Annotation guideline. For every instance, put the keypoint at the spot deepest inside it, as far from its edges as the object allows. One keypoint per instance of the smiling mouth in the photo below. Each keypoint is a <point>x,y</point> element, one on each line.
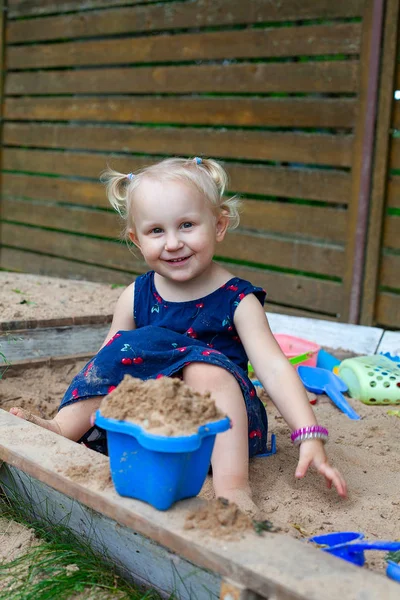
<point>178,260</point>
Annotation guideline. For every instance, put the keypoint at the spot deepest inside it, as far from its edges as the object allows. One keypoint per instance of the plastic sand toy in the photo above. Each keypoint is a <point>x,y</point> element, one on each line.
<point>322,381</point>
<point>349,546</point>
<point>293,347</point>
<point>372,379</point>
<point>158,469</point>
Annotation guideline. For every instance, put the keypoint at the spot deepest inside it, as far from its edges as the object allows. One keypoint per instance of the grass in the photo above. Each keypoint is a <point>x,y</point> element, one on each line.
<point>59,565</point>
<point>394,556</point>
<point>4,360</point>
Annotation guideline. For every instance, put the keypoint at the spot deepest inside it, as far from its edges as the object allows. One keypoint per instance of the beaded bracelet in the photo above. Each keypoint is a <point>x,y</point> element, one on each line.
<point>314,432</point>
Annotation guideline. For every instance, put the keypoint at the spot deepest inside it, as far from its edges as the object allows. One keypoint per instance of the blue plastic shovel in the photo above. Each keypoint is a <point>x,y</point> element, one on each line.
<point>393,570</point>
<point>350,546</point>
<point>322,381</point>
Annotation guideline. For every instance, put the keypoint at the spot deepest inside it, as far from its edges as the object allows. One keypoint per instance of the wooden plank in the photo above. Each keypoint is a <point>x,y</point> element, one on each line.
<point>390,342</point>
<point>391,232</point>
<point>357,222</point>
<point>29,262</point>
<point>326,185</point>
<point>176,15</point>
<point>396,115</point>
<point>271,565</point>
<point>283,252</point>
<point>315,77</point>
<point>137,557</point>
<point>355,338</point>
<point>304,222</point>
<point>390,269</point>
<point>55,190</point>
<point>187,110</point>
<point>380,168</point>
<point>13,326</point>
<point>388,309</point>
<point>283,309</point>
<point>231,590</point>
<point>317,149</point>
<point>304,292</point>
<point>72,218</point>
<point>2,76</point>
<point>59,341</point>
<point>23,8</point>
<point>393,185</point>
<point>69,246</point>
<point>331,185</point>
<point>311,40</point>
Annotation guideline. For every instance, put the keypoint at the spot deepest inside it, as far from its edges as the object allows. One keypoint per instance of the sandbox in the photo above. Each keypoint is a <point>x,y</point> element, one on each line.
<point>154,547</point>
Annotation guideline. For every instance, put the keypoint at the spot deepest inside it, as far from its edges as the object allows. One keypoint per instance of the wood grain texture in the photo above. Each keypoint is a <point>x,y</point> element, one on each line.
<point>389,270</point>
<point>23,8</point>
<point>176,15</point>
<point>257,78</point>
<point>362,152</point>
<point>308,148</point>
<point>388,309</point>
<point>187,110</point>
<point>311,40</point>
<point>17,260</point>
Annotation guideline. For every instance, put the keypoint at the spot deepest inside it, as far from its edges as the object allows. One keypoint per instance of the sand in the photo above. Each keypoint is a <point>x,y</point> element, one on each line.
<point>367,451</point>
<point>165,406</point>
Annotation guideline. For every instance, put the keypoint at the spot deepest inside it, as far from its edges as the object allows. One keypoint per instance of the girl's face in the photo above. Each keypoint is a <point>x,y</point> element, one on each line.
<point>175,229</point>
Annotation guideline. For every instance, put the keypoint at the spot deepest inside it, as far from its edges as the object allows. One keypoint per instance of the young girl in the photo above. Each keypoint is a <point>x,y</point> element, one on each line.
<point>190,317</point>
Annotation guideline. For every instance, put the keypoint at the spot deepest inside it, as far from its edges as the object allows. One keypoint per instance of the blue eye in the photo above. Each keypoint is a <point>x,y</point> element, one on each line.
<point>156,230</point>
<point>187,225</point>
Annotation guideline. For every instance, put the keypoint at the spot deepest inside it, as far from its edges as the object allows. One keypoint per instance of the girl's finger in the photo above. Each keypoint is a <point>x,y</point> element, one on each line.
<point>302,467</point>
<point>333,476</point>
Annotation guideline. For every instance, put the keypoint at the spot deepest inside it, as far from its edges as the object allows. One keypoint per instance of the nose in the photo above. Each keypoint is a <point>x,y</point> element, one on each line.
<point>173,242</point>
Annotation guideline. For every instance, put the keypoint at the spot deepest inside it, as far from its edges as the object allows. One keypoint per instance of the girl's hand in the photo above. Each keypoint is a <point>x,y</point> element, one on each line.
<point>312,453</point>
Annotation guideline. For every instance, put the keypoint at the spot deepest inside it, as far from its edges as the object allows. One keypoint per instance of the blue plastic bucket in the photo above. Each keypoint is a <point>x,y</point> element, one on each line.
<point>158,469</point>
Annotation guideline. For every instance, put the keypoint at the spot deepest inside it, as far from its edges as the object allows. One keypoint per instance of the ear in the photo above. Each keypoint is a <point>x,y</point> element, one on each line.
<point>221,226</point>
<point>133,237</point>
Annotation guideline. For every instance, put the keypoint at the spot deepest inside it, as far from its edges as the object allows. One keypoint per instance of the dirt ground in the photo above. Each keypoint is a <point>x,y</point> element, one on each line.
<point>367,451</point>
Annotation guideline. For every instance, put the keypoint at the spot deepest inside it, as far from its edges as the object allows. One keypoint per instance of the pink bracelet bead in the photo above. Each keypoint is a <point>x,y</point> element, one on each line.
<point>313,432</point>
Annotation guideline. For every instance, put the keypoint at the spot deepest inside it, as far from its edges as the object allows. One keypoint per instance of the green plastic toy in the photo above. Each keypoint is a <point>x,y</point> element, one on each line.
<point>372,379</point>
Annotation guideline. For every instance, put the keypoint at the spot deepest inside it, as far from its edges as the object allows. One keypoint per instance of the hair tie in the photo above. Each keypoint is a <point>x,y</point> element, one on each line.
<point>197,160</point>
<point>130,176</point>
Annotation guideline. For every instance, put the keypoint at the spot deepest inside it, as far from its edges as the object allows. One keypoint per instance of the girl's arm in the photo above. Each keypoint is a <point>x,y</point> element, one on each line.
<point>282,384</point>
<point>123,314</point>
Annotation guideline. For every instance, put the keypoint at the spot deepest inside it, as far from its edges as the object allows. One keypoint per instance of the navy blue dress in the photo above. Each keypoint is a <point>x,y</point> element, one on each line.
<point>169,336</point>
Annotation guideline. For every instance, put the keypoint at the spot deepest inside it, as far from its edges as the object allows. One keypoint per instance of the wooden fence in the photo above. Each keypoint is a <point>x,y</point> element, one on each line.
<point>281,92</point>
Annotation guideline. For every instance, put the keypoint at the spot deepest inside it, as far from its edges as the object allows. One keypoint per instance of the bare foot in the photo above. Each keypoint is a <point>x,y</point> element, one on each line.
<point>242,498</point>
<point>24,414</point>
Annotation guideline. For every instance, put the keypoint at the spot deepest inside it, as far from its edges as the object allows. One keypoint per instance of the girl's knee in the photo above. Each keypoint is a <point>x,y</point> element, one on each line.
<point>207,375</point>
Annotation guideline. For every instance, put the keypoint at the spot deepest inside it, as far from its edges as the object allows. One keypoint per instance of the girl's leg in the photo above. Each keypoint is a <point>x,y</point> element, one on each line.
<point>72,421</point>
<point>230,458</point>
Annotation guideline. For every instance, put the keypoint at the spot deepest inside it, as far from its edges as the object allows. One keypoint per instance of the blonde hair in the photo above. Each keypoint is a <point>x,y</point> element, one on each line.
<point>206,175</point>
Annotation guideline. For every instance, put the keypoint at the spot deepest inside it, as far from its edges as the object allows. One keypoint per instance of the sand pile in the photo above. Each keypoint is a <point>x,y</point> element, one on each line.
<point>164,406</point>
<point>219,518</point>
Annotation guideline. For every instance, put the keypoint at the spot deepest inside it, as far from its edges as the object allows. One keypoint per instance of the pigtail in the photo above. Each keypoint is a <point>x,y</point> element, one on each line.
<point>217,174</point>
<point>117,190</point>
<point>220,178</point>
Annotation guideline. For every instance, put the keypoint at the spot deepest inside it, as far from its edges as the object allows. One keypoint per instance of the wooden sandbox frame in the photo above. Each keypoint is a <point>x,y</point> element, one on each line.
<point>152,547</point>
